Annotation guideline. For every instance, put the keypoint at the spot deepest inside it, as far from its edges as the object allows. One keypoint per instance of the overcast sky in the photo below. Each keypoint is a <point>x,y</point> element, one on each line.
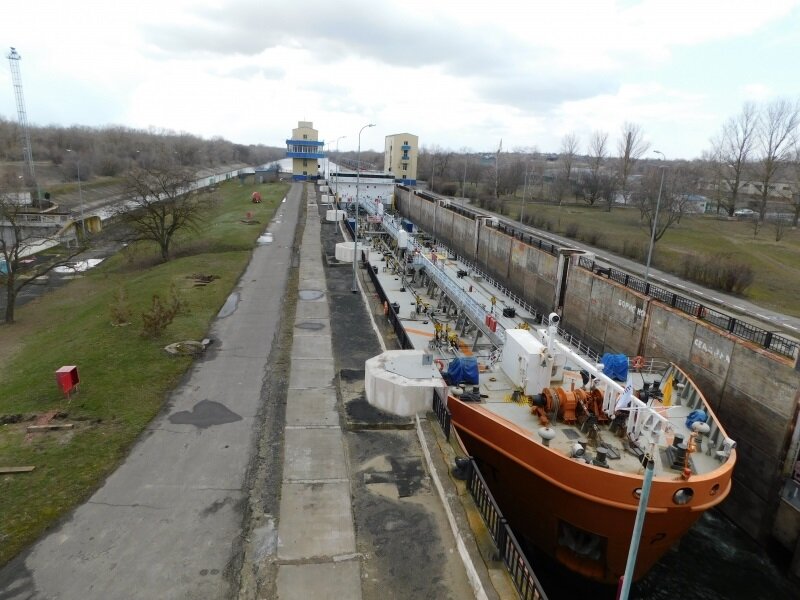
<point>457,73</point>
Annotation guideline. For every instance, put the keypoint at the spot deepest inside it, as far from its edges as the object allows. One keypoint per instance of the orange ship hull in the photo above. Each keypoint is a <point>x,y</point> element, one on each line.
<point>580,514</point>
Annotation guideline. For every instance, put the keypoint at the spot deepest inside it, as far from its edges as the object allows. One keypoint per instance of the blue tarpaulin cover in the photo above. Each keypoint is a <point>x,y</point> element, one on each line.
<point>695,416</point>
<point>462,370</point>
<point>615,366</point>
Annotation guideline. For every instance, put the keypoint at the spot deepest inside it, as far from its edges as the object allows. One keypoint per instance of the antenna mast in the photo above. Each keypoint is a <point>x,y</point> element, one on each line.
<point>22,117</point>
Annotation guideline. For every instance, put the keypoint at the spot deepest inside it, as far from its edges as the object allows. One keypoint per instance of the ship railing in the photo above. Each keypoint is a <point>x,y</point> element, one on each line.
<point>475,312</point>
<point>394,318</point>
<point>478,271</point>
<point>442,413</point>
<point>507,545</point>
<point>575,343</point>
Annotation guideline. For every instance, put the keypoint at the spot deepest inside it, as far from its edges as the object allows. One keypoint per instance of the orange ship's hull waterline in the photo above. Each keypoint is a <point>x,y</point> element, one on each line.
<point>541,492</point>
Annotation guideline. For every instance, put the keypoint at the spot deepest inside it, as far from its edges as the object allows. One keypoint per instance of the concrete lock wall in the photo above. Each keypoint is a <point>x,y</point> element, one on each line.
<point>604,314</point>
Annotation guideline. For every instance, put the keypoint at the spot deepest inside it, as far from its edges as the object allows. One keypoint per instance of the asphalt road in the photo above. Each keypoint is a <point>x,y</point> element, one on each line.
<point>168,522</point>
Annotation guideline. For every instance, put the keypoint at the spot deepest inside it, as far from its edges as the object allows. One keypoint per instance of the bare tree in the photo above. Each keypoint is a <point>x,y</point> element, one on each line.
<point>666,211</point>
<point>795,170</point>
<point>713,183</point>
<point>569,153</point>
<point>594,183</point>
<point>734,147</point>
<point>22,235</point>
<point>163,202</point>
<point>777,125</point>
<point>631,147</point>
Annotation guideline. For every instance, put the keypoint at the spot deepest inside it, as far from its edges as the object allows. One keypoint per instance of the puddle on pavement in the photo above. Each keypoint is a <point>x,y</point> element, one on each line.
<point>310,326</point>
<point>265,238</point>
<point>205,414</point>
<point>310,294</point>
<point>229,306</point>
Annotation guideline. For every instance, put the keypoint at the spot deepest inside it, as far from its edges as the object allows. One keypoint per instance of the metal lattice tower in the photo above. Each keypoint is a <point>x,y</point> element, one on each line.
<point>22,117</point>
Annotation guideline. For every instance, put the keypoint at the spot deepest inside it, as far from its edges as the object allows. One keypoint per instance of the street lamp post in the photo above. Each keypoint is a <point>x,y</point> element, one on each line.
<point>358,185</point>
<point>524,193</point>
<point>464,184</point>
<point>336,187</point>
<point>80,192</point>
<point>655,219</point>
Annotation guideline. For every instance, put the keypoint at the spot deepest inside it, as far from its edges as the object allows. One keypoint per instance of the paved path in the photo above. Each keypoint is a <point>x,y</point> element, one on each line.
<point>316,550</point>
<point>167,523</point>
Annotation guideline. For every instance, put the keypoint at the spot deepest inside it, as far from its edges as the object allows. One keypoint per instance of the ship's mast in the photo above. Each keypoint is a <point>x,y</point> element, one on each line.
<point>22,117</point>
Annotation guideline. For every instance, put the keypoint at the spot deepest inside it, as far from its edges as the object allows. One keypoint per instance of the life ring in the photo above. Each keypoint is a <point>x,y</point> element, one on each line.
<point>439,364</point>
<point>638,362</point>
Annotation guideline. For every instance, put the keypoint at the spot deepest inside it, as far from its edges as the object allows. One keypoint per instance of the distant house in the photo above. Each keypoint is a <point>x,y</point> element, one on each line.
<point>695,203</point>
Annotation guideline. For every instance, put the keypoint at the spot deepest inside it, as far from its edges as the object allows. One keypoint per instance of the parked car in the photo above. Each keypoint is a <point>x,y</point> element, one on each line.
<point>744,212</point>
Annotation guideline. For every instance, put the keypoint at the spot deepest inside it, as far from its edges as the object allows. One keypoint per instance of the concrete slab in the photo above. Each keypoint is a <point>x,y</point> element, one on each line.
<point>311,373</point>
<point>316,520</point>
<point>312,310</point>
<point>312,327</point>
<point>312,407</point>
<point>321,581</point>
<point>312,346</point>
<point>314,454</point>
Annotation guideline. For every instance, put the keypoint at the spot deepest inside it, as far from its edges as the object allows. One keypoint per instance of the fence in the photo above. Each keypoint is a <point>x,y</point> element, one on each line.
<point>741,329</point>
<point>508,547</point>
<point>442,413</point>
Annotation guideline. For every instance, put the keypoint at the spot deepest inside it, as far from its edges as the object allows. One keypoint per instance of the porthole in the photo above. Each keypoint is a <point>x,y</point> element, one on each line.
<point>637,493</point>
<point>683,496</point>
<point>714,489</point>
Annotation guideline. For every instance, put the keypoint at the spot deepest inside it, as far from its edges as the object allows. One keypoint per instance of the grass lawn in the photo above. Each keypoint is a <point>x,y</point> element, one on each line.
<point>125,378</point>
<point>776,264</point>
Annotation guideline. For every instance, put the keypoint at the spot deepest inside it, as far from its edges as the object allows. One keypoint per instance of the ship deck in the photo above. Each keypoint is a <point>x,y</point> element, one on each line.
<point>495,387</point>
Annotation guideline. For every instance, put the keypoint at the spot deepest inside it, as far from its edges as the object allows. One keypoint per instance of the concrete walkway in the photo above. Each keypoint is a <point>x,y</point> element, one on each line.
<point>316,540</point>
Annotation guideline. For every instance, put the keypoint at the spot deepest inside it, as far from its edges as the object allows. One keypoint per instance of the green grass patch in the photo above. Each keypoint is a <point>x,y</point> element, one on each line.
<point>776,264</point>
<point>125,378</point>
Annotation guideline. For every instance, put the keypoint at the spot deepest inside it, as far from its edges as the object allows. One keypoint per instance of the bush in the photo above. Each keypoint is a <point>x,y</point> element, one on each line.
<point>161,314</point>
<point>633,249</point>
<point>594,238</point>
<point>449,189</point>
<point>120,310</point>
<point>572,230</point>
<point>719,271</point>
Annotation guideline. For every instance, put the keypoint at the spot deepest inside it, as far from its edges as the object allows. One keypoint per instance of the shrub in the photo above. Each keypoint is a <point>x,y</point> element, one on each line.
<point>161,314</point>
<point>633,249</point>
<point>120,310</point>
<point>719,271</point>
<point>595,238</point>
<point>572,230</point>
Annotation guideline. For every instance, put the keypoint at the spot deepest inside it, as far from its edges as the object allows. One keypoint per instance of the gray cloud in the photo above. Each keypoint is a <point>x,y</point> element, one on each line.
<point>501,66</point>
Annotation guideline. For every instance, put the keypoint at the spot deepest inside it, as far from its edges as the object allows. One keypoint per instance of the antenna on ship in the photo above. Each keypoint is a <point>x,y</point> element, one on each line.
<point>22,116</point>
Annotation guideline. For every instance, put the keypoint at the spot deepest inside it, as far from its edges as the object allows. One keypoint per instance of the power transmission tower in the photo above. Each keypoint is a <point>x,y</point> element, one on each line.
<point>22,117</point>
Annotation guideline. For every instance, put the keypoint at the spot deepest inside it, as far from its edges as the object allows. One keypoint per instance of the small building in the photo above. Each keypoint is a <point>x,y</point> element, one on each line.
<point>400,157</point>
<point>305,150</point>
<point>370,186</point>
